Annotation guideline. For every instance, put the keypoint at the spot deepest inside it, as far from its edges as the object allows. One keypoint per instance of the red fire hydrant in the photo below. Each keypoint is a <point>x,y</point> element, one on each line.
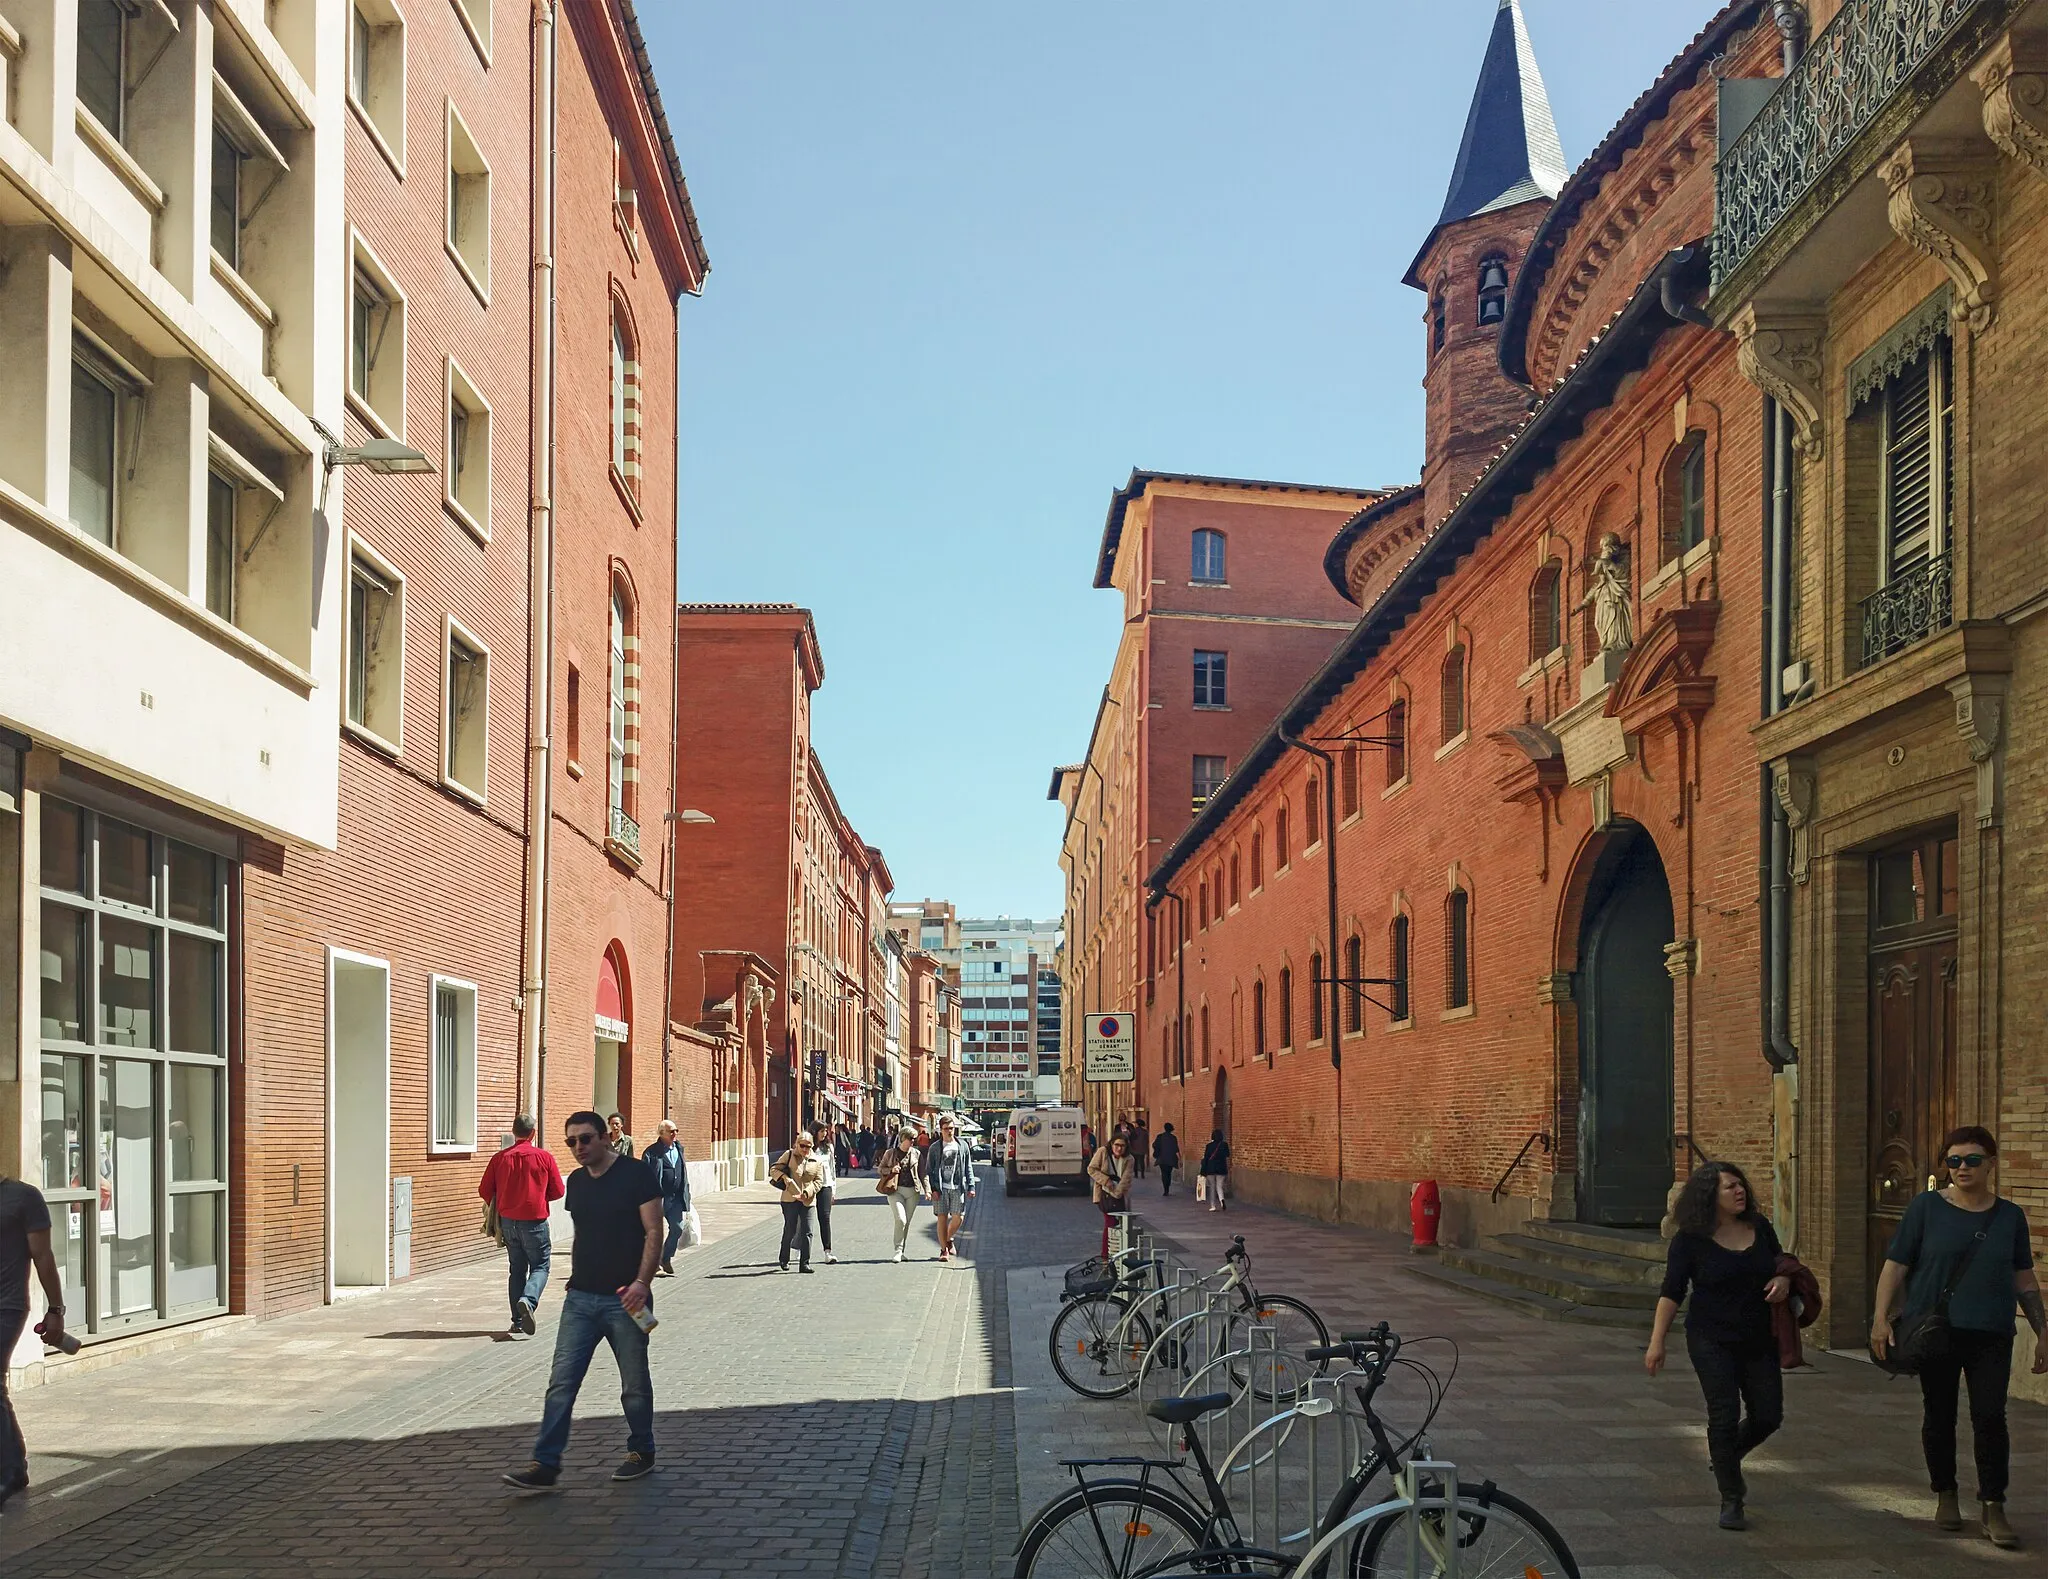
<point>1425,1207</point>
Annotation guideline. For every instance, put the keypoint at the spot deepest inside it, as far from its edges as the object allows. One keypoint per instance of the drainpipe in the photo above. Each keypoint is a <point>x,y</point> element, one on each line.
<point>1778,1048</point>
<point>540,666</point>
<point>1329,762</point>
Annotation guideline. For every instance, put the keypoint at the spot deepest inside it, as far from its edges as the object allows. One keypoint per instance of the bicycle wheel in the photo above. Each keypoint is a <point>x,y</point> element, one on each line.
<point>1097,1345</point>
<point>1110,1529</point>
<point>1296,1330</point>
<point>1499,1537</point>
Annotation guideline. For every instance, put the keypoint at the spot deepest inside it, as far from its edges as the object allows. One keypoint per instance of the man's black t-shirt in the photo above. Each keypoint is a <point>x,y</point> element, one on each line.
<point>22,1212</point>
<point>609,1238</point>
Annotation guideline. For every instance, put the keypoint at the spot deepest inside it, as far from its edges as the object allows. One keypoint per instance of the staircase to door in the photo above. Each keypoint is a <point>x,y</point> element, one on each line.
<point>1581,1272</point>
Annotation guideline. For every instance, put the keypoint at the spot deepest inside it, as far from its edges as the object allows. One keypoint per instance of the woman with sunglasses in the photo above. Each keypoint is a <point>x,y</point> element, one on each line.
<point>1927,1255</point>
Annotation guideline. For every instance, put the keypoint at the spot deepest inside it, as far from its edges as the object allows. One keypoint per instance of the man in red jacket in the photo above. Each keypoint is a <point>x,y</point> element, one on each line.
<point>520,1182</point>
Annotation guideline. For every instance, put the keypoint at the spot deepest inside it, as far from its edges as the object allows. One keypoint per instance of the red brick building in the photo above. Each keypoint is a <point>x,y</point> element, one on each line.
<point>1224,615</point>
<point>1531,757</point>
<point>394,991</point>
<point>779,902</point>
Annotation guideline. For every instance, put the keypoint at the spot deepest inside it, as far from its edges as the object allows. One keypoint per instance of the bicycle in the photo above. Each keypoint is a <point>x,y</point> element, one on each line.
<point>1157,1525</point>
<point>1102,1340</point>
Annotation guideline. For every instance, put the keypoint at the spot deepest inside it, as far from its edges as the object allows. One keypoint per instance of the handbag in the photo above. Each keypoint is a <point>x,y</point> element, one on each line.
<point>693,1228</point>
<point>1919,1341</point>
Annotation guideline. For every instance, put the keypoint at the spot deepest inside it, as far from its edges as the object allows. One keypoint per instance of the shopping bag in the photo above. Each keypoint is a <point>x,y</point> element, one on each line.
<point>1201,1186</point>
<point>693,1228</point>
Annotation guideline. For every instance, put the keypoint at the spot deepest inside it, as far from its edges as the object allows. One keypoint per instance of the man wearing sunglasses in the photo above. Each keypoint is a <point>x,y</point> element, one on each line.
<point>616,1207</point>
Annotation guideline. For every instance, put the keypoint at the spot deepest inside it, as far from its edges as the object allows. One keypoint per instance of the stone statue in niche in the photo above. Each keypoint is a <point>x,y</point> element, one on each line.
<point>1607,595</point>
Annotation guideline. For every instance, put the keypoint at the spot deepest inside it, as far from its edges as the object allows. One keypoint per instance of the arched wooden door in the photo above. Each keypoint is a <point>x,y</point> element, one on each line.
<point>1624,994</point>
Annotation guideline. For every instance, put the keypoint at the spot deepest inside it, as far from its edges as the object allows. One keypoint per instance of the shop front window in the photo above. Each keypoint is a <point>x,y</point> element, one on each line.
<point>133,1018</point>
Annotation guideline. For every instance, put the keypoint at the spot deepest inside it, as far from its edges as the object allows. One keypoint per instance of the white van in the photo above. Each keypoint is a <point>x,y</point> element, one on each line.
<point>1043,1146</point>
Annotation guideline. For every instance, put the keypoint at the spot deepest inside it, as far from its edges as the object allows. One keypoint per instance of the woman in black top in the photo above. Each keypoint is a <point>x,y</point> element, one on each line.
<point>1727,1255</point>
<point>1215,1169</point>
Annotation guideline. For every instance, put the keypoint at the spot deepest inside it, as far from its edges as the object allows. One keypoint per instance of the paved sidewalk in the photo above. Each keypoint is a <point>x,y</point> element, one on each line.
<point>1565,1416</point>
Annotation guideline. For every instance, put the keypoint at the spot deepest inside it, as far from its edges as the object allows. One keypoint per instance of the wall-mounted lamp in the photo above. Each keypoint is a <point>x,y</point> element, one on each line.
<point>385,457</point>
<point>692,817</point>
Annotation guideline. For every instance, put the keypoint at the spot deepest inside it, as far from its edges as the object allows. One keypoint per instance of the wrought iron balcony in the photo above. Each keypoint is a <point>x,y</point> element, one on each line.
<point>1858,65</point>
<point>625,833</point>
<point>1914,605</point>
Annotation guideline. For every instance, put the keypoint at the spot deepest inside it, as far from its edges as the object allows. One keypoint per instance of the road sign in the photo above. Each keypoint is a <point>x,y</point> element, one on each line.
<point>1110,1052</point>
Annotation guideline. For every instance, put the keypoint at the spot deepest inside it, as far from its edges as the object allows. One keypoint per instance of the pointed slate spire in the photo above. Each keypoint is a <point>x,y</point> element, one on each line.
<point>1511,151</point>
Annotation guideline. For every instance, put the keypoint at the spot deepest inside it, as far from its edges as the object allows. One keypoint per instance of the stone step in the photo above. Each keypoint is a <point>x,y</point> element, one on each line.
<point>1643,1244</point>
<point>1593,1265</point>
<point>1544,1307</point>
<point>1539,1278</point>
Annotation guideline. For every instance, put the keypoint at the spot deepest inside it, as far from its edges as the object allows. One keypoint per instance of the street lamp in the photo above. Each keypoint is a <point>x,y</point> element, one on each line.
<point>691,817</point>
<point>384,457</point>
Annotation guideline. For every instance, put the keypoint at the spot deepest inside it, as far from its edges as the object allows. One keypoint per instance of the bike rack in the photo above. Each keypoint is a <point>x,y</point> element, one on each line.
<point>1284,1472</point>
<point>1415,1532</point>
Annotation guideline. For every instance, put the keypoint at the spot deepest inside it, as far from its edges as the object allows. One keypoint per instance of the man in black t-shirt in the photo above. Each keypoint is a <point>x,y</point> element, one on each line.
<point>24,1240</point>
<point>616,1207</point>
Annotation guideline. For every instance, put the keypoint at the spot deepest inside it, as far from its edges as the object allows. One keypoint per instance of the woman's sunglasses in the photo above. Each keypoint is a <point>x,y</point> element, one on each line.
<point>1974,1159</point>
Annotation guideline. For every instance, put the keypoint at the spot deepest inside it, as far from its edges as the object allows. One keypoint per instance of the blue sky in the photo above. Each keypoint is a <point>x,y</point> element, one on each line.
<point>972,262</point>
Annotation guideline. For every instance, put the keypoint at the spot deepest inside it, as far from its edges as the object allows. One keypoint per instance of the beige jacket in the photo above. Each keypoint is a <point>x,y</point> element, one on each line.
<point>1108,1179</point>
<point>904,1164</point>
<point>806,1178</point>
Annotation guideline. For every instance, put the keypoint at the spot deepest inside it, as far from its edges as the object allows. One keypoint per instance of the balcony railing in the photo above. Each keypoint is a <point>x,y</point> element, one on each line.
<point>1858,64</point>
<point>1915,604</point>
<point>625,832</point>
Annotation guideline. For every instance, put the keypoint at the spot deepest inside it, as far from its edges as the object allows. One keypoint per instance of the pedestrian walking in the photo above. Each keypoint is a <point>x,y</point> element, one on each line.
<point>830,1151</point>
<point>1110,1173</point>
<point>24,1242</point>
<point>949,1175</point>
<point>1962,1252</point>
<point>519,1182</point>
<point>1141,1145</point>
<point>616,1208</point>
<point>799,1175</point>
<point>1166,1152</point>
<point>899,1178</point>
<point>1215,1171</point>
<point>616,1136</point>
<point>671,1170</point>
<point>1726,1254</point>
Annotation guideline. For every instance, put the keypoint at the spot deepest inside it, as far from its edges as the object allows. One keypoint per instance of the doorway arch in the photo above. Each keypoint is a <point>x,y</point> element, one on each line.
<point>1624,996</point>
<point>1219,1112</point>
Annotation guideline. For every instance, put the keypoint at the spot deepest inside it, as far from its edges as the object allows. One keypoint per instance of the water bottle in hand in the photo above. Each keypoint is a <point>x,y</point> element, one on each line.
<point>644,1317</point>
<point>64,1342</point>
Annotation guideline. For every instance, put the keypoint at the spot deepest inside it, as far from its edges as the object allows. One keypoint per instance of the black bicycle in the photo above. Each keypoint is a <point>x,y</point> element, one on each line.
<point>1116,1323</point>
<point>1174,1521</point>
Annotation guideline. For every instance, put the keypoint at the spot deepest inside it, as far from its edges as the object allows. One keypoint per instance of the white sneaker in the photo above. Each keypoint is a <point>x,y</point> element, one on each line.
<point>829,1256</point>
<point>898,1256</point>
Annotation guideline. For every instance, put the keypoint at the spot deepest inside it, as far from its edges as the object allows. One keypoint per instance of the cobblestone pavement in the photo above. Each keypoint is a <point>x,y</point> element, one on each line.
<point>879,1420</point>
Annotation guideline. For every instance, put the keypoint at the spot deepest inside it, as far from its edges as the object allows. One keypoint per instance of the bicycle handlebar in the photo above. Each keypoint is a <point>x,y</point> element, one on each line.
<point>1373,1349</point>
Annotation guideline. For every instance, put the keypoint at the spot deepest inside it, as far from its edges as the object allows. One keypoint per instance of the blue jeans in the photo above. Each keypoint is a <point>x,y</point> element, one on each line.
<point>674,1209</point>
<point>586,1320</point>
<point>529,1251</point>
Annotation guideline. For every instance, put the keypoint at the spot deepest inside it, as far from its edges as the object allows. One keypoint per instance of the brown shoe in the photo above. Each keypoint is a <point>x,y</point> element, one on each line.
<point>1948,1512</point>
<point>1996,1529</point>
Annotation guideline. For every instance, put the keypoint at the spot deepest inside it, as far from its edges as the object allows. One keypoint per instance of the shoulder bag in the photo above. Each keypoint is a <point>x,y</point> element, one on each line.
<point>1921,1340</point>
<point>885,1176</point>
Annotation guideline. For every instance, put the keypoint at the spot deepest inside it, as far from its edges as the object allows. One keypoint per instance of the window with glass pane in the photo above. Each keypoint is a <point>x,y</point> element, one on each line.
<point>369,315</point>
<point>63,846</point>
<point>63,1124</point>
<point>1458,949</point>
<point>102,61</point>
<point>1396,729</point>
<point>1919,419</point>
<point>1206,557</point>
<point>616,775</point>
<point>1212,679</point>
<point>1397,967</point>
<point>1354,972</point>
<point>127,868</point>
<point>221,495</point>
<point>94,420</point>
<point>359,55</point>
<point>65,951</point>
<point>1208,778</point>
<point>195,1249</point>
<point>195,885</point>
<point>446,1051</point>
<point>197,1149</point>
<point>128,1209</point>
<point>224,209</point>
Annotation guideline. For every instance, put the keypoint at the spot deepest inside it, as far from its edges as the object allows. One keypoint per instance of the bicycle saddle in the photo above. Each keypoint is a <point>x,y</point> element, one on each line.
<point>1183,1411</point>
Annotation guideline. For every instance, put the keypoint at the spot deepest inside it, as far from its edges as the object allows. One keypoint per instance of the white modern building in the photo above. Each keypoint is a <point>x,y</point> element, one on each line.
<point>174,312</point>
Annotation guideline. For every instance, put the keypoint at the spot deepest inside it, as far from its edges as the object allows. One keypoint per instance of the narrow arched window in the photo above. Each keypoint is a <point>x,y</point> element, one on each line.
<point>1205,1036</point>
<point>1236,894</point>
<point>1205,903</point>
<point>1317,984</point>
<point>1453,695</point>
<point>1312,811</point>
<point>1684,514</point>
<point>1258,860</point>
<point>1347,783</point>
<point>1458,949</point>
<point>625,413</point>
<point>1546,611</point>
<point>1258,1019</point>
<point>622,729</point>
<point>1397,743</point>
<point>1280,850</point>
<point>1286,1007</point>
<point>1354,971</point>
<point>1493,290</point>
<point>1397,967</point>
<point>1206,557</point>
<point>1439,319</point>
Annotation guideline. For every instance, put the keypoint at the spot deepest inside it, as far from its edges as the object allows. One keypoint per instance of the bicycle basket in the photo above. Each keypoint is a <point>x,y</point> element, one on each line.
<point>1093,1276</point>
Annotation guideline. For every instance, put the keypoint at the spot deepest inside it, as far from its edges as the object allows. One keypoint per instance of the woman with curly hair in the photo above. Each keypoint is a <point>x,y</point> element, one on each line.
<point>1726,1254</point>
